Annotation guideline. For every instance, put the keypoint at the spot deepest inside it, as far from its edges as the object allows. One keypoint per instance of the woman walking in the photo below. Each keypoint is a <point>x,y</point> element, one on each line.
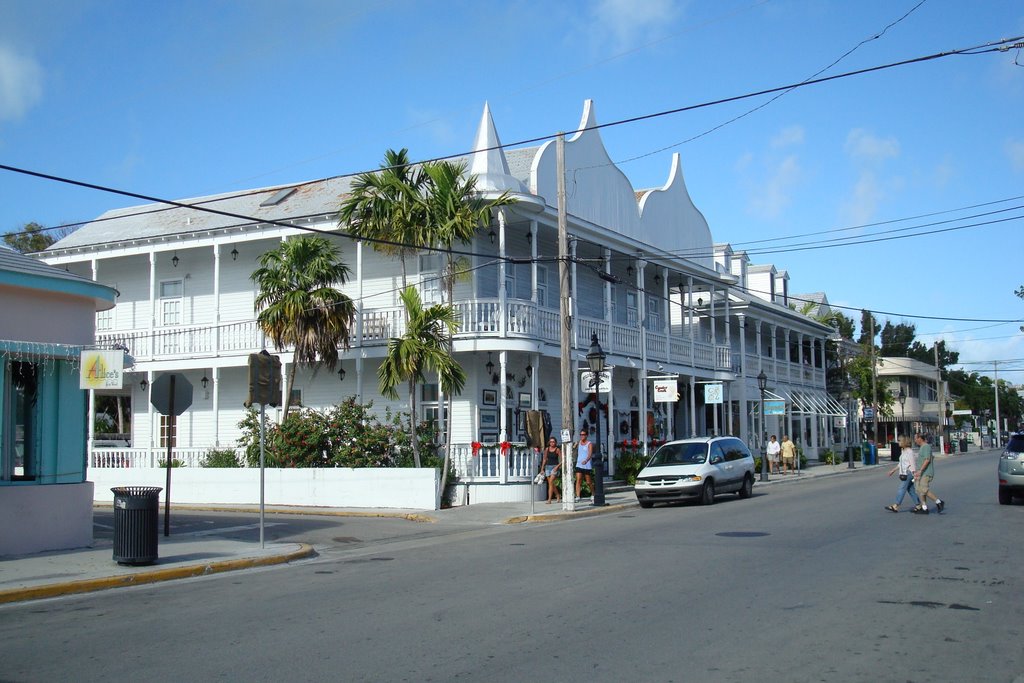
<point>552,463</point>
<point>906,467</point>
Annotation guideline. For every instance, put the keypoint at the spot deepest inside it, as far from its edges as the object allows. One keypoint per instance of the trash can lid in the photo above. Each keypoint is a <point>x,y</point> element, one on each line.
<point>136,490</point>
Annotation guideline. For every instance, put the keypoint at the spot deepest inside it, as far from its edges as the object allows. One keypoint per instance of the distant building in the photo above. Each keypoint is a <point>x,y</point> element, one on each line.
<point>49,317</point>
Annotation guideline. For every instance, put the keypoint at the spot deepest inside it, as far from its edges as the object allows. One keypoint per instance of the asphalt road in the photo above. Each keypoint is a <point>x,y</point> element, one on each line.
<point>811,581</point>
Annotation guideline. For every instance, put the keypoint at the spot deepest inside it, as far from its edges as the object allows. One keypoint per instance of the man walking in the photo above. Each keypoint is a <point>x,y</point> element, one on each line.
<point>925,475</point>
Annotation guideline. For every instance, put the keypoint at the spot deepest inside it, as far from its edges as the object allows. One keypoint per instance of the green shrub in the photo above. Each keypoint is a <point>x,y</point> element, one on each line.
<point>220,457</point>
<point>174,463</point>
<point>346,435</point>
<point>628,466</point>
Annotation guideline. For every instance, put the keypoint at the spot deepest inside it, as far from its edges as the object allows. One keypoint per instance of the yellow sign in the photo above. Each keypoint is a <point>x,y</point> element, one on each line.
<point>101,370</point>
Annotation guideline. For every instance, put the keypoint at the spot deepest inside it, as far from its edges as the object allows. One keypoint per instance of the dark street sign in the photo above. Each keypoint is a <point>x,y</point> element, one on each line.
<point>171,386</point>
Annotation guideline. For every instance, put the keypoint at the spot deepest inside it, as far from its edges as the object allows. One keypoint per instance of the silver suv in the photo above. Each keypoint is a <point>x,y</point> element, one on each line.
<point>696,468</point>
<point>1011,470</point>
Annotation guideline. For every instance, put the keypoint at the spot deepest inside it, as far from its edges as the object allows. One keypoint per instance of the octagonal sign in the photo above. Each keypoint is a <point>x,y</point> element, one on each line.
<point>164,387</point>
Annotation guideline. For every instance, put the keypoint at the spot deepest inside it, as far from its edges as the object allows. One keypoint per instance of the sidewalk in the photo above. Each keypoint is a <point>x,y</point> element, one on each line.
<point>52,574</point>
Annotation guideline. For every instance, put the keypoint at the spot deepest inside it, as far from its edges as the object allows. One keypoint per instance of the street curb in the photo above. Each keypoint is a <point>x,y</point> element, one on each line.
<point>311,511</point>
<point>170,573</point>
<point>557,516</point>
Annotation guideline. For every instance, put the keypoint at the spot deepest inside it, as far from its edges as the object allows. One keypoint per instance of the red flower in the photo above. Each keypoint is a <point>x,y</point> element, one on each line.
<point>635,443</point>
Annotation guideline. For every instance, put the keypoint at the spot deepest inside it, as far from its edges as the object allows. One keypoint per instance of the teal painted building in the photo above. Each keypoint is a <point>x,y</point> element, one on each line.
<point>47,316</point>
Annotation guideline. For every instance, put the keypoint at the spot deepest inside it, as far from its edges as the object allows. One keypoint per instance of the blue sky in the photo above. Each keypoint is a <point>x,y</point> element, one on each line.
<point>180,99</point>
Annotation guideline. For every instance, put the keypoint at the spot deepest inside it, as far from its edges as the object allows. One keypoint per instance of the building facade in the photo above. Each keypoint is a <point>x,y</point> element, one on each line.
<point>47,322</point>
<point>664,300</point>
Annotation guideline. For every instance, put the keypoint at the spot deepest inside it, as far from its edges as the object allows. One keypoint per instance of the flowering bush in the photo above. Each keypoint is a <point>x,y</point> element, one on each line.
<point>346,435</point>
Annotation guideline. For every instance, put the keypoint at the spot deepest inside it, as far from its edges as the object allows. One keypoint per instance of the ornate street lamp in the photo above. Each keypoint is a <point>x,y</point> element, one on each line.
<point>902,398</point>
<point>762,385</point>
<point>596,358</point>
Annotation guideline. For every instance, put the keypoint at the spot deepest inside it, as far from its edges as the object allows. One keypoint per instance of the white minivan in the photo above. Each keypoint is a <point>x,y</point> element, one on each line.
<point>697,468</point>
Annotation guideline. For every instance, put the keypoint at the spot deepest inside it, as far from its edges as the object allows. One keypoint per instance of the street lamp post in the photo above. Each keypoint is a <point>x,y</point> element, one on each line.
<point>595,358</point>
<point>902,398</point>
<point>762,385</point>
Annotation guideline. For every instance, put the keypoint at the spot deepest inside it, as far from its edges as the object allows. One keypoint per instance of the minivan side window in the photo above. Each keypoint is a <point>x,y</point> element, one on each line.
<point>717,453</point>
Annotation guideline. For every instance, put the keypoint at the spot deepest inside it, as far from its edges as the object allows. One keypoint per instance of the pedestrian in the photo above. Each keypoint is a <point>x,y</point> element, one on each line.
<point>584,463</point>
<point>906,467</point>
<point>550,465</point>
<point>788,454</point>
<point>773,455</point>
<point>925,475</point>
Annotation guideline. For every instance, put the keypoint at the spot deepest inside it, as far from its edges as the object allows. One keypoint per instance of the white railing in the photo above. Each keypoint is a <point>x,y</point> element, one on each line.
<point>145,457</point>
<point>488,463</point>
<point>477,317</point>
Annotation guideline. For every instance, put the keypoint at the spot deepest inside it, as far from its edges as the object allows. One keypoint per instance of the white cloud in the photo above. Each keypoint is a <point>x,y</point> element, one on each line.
<point>791,135</point>
<point>860,208</point>
<point>772,196</point>
<point>1015,151</point>
<point>21,84</point>
<point>864,145</point>
<point>629,22</point>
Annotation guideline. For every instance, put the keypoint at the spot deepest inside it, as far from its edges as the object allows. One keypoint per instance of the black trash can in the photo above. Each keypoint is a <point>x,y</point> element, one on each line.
<point>136,509</point>
<point>894,451</point>
<point>963,445</point>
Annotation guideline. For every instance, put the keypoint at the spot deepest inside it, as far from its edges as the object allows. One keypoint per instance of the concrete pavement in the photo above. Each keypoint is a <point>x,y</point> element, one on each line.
<point>84,570</point>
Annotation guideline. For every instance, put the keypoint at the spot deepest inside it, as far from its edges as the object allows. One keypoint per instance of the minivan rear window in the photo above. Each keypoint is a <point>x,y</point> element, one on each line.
<point>680,454</point>
<point>1016,444</point>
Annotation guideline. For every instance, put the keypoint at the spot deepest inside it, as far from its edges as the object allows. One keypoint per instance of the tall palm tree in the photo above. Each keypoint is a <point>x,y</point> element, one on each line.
<point>386,208</point>
<point>298,305</point>
<point>454,211</point>
<point>422,349</point>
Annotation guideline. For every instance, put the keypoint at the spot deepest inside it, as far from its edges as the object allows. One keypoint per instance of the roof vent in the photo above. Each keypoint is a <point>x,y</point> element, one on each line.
<point>278,197</point>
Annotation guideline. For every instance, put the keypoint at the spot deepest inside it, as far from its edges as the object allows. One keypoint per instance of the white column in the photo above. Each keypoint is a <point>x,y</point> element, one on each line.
<point>502,302</point>
<point>216,300</point>
<point>741,329</point>
<point>216,406</point>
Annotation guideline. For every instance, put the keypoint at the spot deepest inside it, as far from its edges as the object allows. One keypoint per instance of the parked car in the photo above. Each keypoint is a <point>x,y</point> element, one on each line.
<point>698,468</point>
<point>1011,469</point>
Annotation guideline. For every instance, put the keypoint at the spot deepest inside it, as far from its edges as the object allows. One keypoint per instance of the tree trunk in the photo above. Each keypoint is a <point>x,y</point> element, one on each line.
<point>290,380</point>
<point>412,424</point>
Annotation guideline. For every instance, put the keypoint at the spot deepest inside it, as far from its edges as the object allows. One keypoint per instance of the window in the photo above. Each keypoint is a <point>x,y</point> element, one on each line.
<point>542,286</point>
<point>105,320</point>
<point>632,311</point>
<point>20,421</point>
<point>166,432</point>
<point>170,302</point>
<point>653,312</point>
<point>430,279</point>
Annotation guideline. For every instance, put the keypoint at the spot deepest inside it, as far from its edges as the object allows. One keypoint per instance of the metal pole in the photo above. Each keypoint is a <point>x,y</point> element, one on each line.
<point>171,428</point>
<point>999,428</point>
<point>599,459</point>
<point>263,420</point>
<point>764,442</point>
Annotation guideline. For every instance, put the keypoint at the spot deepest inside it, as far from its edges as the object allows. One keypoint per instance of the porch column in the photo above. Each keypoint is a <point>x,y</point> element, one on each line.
<point>502,298</point>
<point>216,407</point>
<point>642,317</point>
<point>216,299</point>
<point>689,315</point>
<point>533,268</point>
<point>741,328</point>
<point>693,405</point>
<point>502,400</point>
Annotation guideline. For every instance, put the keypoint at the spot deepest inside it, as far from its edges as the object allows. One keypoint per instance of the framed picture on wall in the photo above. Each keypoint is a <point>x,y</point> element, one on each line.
<point>488,437</point>
<point>488,419</point>
<point>524,400</point>
<point>490,397</point>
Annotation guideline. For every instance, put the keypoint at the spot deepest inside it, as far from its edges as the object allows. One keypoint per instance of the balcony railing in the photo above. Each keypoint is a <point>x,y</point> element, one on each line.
<point>477,318</point>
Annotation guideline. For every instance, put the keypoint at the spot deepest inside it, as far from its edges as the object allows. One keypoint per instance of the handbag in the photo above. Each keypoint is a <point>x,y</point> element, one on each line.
<point>903,477</point>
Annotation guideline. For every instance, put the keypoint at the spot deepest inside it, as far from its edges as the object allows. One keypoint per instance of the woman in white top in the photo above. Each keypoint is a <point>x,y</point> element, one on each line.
<point>906,467</point>
<point>774,448</point>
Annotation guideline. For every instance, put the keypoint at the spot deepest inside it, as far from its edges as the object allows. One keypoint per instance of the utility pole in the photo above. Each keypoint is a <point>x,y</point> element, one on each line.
<point>999,429</point>
<point>942,397</point>
<point>565,330</point>
<point>874,378</point>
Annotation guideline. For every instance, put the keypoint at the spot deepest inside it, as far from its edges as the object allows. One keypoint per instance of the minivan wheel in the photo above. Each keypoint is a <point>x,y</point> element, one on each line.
<point>646,504</point>
<point>707,494</point>
<point>748,487</point>
<point>1005,497</point>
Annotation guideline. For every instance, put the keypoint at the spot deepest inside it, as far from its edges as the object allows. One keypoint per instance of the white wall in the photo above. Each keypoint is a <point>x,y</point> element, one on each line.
<point>37,518</point>
<point>370,487</point>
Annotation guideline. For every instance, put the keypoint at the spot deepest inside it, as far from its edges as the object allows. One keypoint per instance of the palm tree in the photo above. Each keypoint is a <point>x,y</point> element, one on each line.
<point>298,305</point>
<point>422,349</point>
<point>454,212</point>
<point>386,208</point>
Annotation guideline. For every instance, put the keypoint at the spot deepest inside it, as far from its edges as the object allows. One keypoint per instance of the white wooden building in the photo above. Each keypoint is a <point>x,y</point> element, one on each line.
<point>676,304</point>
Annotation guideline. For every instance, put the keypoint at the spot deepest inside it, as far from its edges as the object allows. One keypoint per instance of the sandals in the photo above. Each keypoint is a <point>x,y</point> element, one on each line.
<point>892,508</point>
